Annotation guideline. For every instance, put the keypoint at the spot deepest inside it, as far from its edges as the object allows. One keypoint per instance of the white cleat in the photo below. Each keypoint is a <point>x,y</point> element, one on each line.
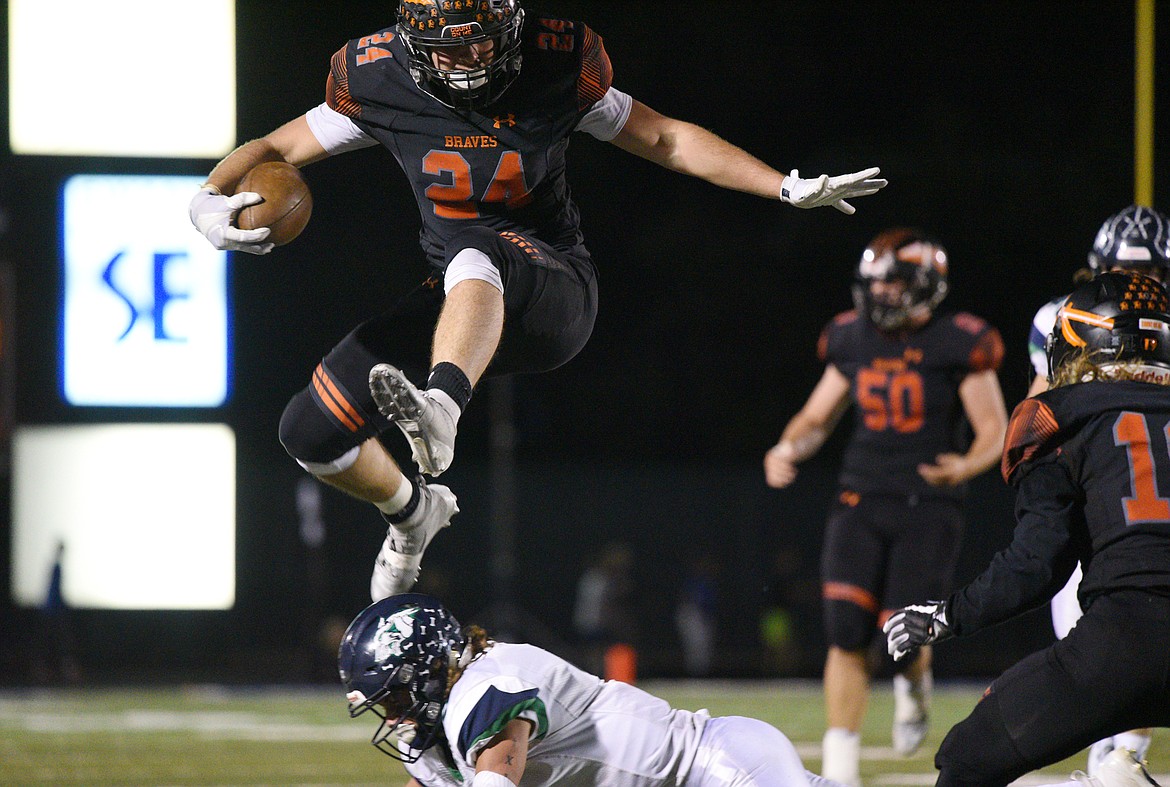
<point>911,713</point>
<point>427,424</point>
<point>396,569</point>
<point>1122,768</point>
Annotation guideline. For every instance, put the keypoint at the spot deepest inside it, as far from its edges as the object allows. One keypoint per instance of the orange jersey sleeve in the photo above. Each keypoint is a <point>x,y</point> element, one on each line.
<point>337,95</point>
<point>1032,424</point>
<point>988,350</point>
<point>596,71</point>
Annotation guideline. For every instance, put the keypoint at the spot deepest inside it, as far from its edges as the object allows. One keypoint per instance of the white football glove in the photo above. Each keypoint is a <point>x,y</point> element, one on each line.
<point>212,213</point>
<point>817,192</point>
<point>911,627</point>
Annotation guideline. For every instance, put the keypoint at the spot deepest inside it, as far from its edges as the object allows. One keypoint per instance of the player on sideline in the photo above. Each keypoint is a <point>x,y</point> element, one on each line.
<point>476,102</point>
<point>1134,239</point>
<point>1089,460</point>
<point>896,525</point>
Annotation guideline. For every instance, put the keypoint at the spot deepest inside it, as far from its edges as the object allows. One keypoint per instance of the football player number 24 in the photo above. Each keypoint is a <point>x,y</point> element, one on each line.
<point>1131,430</point>
<point>891,400</point>
<point>456,199</point>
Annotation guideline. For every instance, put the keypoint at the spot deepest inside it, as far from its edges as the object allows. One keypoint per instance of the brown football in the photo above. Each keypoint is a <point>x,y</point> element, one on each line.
<point>287,201</point>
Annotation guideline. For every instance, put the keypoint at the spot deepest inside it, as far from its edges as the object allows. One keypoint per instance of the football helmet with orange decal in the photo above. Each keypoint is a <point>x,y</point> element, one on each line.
<point>906,256</point>
<point>394,660</point>
<point>1119,318</point>
<point>1137,238</point>
<point>464,53</point>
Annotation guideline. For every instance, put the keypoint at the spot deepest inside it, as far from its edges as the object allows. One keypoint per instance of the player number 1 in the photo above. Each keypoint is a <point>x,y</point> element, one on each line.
<point>1132,431</point>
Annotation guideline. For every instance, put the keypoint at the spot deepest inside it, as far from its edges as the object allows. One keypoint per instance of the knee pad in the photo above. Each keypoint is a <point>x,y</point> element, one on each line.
<point>472,264</point>
<point>847,625</point>
<point>314,439</point>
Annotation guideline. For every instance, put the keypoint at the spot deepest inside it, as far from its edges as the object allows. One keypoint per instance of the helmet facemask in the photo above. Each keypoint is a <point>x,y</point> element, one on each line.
<point>463,53</point>
<point>394,660</point>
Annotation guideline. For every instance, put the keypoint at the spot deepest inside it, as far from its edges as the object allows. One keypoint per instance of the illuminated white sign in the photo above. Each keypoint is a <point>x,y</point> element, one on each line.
<point>122,77</point>
<point>145,305</point>
<point>143,515</point>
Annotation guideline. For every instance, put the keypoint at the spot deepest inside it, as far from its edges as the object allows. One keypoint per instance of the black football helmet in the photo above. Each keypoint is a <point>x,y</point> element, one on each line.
<point>1117,318</point>
<point>1135,238</point>
<point>428,26</point>
<point>909,256</point>
<point>393,660</point>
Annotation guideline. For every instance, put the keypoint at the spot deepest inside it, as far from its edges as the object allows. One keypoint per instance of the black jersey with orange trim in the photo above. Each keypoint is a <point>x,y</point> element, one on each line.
<point>1091,466</point>
<point>503,168</point>
<point>906,391</point>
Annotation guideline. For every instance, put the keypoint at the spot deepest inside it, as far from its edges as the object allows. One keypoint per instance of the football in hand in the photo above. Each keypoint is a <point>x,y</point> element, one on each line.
<point>287,201</point>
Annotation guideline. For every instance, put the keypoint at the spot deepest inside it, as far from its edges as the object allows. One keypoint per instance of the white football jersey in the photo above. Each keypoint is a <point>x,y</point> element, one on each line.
<point>1042,325</point>
<point>433,770</point>
<point>585,731</point>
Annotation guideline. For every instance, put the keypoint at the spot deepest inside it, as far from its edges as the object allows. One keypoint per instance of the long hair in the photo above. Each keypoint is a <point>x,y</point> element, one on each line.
<point>478,643</point>
<point>1092,365</point>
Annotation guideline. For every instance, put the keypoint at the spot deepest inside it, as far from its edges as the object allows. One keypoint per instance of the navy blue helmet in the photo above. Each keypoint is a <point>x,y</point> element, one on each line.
<point>394,660</point>
<point>1135,238</point>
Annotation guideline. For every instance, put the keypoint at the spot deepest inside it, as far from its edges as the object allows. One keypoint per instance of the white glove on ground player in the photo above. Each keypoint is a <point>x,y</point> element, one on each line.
<point>911,627</point>
<point>817,192</point>
<point>212,213</point>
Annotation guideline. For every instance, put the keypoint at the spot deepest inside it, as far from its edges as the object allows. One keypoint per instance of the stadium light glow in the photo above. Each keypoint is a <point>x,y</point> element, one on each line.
<point>146,514</point>
<point>122,77</point>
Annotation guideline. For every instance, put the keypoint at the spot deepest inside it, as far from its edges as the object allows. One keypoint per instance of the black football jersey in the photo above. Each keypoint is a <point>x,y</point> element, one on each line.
<point>1091,465</point>
<point>906,392</point>
<point>503,169</point>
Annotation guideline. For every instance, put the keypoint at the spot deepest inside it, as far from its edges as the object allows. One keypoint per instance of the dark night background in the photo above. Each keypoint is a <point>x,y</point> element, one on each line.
<point>1004,128</point>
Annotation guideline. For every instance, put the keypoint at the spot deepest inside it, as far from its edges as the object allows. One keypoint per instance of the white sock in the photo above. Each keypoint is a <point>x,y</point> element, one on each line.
<point>399,500</point>
<point>912,698</point>
<point>841,756</point>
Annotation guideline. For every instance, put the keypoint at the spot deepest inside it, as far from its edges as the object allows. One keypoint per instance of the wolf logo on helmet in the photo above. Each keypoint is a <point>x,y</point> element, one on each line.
<point>434,30</point>
<point>394,660</point>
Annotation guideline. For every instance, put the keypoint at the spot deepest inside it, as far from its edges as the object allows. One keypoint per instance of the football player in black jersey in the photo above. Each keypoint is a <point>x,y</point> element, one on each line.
<point>1136,238</point>
<point>1090,460</point>
<point>895,527</point>
<point>476,100</point>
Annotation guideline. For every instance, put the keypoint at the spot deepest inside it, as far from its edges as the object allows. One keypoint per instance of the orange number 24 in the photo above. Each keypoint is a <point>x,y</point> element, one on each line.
<point>455,200</point>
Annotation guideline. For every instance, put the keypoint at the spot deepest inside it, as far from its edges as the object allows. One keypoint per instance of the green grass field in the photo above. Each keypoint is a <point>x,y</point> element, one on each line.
<point>209,735</point>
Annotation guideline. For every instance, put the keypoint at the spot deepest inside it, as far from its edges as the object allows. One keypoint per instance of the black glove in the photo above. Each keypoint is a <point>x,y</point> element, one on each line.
<point>912,627</point>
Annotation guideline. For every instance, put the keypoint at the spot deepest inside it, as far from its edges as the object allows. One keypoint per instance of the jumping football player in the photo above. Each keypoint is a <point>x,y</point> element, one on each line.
<point>895,527</point>
<point>476,101</point>
<point>1134,239</point>
<point>1089,459</point>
